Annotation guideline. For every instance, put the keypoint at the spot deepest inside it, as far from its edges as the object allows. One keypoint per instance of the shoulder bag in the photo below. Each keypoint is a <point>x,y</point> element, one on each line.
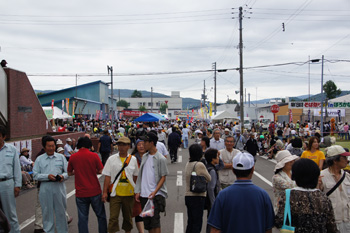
<point>198,184</point>
<point>110,188</point>
<point>287,213</point>
<point>336,185</point>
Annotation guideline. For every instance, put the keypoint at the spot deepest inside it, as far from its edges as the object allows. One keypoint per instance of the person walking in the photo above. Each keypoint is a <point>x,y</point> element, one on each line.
<point>151,182</point>
<point>174,142</point>
<point>311,210</point>
<point>185,135</point>
<point>242,207</point>
<point>105,146</point>
<point>51,170</point>
<point>337,160</point>
<point>195,201</point>
<point>282,179</point>
<point>10,180</point>
<point>84,165</point>
<point>122,195</point>
<point>226,175</point>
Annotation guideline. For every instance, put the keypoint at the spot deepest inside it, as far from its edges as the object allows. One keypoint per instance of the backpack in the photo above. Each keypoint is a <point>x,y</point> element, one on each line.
<point>133,132</point>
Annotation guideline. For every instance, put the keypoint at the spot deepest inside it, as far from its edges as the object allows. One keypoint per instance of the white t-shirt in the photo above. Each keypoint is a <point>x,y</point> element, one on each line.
<point>148,184</point>
<point>185,133</point>
<point>161,136</point>
<point>162,149</point>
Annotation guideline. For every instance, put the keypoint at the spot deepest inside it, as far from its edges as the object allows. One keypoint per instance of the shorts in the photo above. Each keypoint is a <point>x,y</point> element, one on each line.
<point>159,206</point>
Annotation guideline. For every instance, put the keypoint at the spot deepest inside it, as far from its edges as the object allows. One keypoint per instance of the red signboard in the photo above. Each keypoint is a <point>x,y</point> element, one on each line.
<point>275,108</point>
<point>133,113</point>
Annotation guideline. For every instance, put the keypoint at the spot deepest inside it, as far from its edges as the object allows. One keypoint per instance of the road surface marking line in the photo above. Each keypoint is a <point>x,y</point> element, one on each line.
<point>263,178</point>
<point>180,149</point>
<point>179,223</point>
<point>179,178</point>
<point>32,219</point>
<point>179,159</point>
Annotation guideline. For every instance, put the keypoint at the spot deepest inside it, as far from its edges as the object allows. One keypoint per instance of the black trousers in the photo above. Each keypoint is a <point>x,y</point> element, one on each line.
<point>105,156</point>
<point>195,209</point>
<point>173,153</point>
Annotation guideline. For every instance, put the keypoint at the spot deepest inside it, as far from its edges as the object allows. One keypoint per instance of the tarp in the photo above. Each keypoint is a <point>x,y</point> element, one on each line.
<point>57,113</point>
<point>223,115</point>
<point>150,117</point>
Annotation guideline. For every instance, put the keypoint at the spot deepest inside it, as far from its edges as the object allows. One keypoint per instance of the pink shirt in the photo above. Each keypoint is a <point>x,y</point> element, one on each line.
<point>346,128</point>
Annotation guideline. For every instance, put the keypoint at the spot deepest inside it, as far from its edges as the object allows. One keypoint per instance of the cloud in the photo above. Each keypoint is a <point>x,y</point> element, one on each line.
<point>83,37</point>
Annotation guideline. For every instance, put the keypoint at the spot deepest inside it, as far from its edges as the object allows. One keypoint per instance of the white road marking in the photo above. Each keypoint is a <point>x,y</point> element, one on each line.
<point>180,149</point>
<point>32,219</point>
<point>263,178</point>
<point>179,159</point>
<point>179,178</point>
<point>271,160</point>
<point>179,223</point>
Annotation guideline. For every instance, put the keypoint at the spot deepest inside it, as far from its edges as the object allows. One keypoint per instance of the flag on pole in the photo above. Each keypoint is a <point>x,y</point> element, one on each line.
<point>210,109</point>
<point>192,115</point>
<point>290,116</point>
<point>62,107</point>
<point>52,104</point>
<point>67,105</point>
<point>73,107</point>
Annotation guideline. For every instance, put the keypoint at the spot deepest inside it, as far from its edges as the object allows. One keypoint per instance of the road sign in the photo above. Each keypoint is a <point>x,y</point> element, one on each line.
<point>275,108</point>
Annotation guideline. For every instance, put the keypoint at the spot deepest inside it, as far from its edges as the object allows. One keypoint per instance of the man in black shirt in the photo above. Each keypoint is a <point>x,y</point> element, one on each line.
<point>105,146</point>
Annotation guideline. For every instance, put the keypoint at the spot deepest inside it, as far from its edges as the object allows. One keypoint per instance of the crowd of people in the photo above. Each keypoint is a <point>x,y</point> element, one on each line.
<point>221,153</point>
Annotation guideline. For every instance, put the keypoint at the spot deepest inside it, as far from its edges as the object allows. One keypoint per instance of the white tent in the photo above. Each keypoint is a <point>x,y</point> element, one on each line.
<point>223,115</point>
<point>57,113</point>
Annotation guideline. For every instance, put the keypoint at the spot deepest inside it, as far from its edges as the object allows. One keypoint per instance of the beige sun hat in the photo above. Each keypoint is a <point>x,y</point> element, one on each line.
<point>283,157</point>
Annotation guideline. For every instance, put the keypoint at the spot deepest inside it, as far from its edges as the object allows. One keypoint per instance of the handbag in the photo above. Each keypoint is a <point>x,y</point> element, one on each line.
<point>110,188</point>
<point>198,184</point>
<point>287,228</point>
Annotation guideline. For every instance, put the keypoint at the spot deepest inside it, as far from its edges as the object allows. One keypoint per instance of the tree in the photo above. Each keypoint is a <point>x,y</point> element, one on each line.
<point>142,108</point>
<point>331,90</point>
<point>163,108</point>
<point>136,94</point>
<point>229,101</point>
<point>123,103</point>
<point>39,93</point>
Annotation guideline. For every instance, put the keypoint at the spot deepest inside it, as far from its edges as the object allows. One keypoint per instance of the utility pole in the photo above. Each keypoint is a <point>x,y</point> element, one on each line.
<point>204,97</point>
<point>119,93</point>
<point>249,100</point>
<point>110,69</point>
<point>151,99</point>
<point>241,69</point>
<point>214,68</point>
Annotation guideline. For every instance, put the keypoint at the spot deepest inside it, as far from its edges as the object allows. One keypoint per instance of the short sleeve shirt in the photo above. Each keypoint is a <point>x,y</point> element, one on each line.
<point>242,207</point>
<point>106,142</point>
<point>316,156</point>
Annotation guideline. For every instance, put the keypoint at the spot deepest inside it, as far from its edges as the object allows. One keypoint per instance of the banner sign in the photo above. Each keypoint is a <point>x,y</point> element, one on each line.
<point>133,113</point>
<point>331,112</point>
<point>318,105</point>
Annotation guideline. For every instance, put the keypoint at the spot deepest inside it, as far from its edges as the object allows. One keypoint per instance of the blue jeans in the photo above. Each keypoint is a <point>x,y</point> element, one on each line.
<point>185,142</point>
<point>195,208</point>
<point>83,204</point>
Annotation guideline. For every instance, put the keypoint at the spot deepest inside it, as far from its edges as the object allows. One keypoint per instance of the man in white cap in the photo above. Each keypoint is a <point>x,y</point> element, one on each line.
<point>337,160</point>
<point>242,207</point>
<point>68,151</point>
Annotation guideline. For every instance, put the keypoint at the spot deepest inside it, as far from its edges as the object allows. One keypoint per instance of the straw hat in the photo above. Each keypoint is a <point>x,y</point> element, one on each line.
<point>283,157</point>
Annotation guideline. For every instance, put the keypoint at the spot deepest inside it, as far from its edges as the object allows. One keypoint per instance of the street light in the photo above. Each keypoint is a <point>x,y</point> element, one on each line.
<point>313,61</point>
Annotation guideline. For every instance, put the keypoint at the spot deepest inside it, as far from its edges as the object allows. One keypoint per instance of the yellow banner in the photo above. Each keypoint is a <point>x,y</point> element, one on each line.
<point>73,108</point>
<point>210,109</point>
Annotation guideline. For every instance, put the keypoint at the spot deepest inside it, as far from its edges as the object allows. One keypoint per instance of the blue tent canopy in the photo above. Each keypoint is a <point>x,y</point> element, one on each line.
<point>150,117</point>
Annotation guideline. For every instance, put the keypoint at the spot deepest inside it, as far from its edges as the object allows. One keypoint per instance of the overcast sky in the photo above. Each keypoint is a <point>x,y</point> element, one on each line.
<point>137,37</point>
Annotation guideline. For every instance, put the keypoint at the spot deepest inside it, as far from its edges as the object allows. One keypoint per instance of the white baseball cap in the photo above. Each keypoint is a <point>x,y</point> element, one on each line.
<point>336,150</point>
<point>243,161</point>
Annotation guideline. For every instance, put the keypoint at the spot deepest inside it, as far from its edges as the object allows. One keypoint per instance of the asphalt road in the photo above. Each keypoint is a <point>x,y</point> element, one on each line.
<point>175,217</point>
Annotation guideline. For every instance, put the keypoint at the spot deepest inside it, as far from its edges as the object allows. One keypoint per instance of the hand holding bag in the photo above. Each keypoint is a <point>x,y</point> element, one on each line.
<point>287,213</point>
<point>148,209</point>
<point>198,184</point>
